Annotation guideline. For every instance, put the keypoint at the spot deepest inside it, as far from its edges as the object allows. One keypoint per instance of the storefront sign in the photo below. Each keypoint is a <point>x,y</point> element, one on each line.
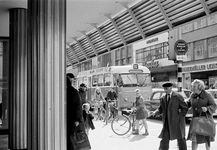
<point>198,68</point>
<point>152,40</point>
<point>152,64</point>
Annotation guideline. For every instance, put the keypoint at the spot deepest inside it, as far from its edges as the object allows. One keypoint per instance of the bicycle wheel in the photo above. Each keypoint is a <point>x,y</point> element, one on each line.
<point>121,125</point>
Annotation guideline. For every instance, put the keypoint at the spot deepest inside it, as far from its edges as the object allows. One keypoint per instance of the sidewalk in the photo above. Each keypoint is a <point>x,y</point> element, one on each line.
<point>103,138</point>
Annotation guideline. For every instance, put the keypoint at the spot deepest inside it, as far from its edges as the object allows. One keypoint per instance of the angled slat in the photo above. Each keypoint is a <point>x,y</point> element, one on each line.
<point>164,14</point>
<point>116,28</point>
<point>101,35</point>
<point>80,47</point>
<point>133,18</point>
<point>89,41</point>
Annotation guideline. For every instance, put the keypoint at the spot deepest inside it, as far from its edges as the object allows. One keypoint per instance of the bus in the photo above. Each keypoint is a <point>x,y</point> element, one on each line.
<point>123,79</point>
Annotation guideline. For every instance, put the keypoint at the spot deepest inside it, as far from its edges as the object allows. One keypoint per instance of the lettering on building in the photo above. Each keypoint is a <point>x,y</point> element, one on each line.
<point>152,64</point>
<point>202,67</point>
<point>152,40</point>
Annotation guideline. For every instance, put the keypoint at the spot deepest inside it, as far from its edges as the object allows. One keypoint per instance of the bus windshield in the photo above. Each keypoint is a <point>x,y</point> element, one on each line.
<point>132,79</point>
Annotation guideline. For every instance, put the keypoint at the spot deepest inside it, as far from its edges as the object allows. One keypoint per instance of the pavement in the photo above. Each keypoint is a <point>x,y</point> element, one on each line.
<point>103,138</point>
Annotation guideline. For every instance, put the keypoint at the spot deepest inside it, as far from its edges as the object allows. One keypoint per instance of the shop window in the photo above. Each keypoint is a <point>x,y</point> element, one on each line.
<point>212,47</point>
<point>200,24</point>
<point>139,56</point>
<point>212,20</point>
<point>189,53</point>
<point>199,47</point>
<point>4,73</point>
<point>187,28</point>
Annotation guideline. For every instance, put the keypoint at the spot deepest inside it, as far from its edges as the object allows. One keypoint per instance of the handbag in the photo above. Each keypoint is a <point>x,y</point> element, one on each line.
<point>203,125</point>
<point>79,140</point>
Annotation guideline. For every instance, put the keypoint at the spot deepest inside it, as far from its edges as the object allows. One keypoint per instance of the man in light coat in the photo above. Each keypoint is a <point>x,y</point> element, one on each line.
<point>173,109</point>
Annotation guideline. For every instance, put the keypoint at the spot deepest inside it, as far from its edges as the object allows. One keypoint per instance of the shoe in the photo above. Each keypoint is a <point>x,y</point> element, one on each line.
<point>136,132</point>
<point>146,133</point>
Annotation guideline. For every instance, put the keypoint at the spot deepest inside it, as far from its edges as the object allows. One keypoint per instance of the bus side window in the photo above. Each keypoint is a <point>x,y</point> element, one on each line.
<point>94,80</point>
<point>119,80</point>
<point>107,79</point>
<point>100,79</point>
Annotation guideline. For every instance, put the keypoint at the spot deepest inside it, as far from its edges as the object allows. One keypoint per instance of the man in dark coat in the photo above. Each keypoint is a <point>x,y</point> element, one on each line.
<point>83,93</point>
<point>74,109</point>
<point>173,109</point>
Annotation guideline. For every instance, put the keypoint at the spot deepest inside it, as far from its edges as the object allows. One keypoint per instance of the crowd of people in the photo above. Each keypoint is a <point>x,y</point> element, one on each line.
<point>172,108</point>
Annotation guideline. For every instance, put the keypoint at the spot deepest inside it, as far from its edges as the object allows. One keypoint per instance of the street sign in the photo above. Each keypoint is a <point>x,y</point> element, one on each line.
<point>181,57</point>
<point>181,47</point>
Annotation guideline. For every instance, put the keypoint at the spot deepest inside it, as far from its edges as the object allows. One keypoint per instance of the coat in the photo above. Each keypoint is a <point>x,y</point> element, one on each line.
<point>141,112</point>
<point>88,120</point>
<point>196,102</point>
<point>73,112</point>
<point>176,110</point>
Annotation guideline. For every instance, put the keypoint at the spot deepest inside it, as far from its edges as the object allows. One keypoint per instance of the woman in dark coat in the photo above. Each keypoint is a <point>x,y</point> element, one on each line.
<point>204,104</point>
<point>74,111</point>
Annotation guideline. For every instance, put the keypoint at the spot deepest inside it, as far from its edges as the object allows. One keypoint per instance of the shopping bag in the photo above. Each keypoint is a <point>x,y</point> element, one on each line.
<point>203,125</point>
<point>79,140</point>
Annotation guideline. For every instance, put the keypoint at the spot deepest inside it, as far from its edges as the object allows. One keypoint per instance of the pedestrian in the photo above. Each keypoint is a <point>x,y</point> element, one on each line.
<point>83,93</point>
<point>88,118</point>
<point>74,109</point>
<point>173,109</point>
<point>203,104</point>
<point>141,113</point>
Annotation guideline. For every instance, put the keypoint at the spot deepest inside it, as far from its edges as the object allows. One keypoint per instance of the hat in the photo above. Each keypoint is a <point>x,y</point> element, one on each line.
<point>70,75</point>
<point>82,85</point>
<point>167,84</point>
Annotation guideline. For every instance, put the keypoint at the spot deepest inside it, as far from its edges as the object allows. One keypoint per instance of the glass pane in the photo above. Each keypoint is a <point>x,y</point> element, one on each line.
<point>144,79</point>
<point>100,80</point>
<point>108,79</point>
<point>4,65</point>
<point>129,79</point>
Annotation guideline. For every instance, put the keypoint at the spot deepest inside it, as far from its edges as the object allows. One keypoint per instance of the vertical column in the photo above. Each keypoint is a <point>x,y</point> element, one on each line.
<point>179,71</point>
<point>18,79</point>
<point>46,74</point>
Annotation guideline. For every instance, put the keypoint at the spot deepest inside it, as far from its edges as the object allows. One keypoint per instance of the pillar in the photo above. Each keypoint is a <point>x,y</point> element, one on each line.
<point>46,75</point>
<point>17,94</point>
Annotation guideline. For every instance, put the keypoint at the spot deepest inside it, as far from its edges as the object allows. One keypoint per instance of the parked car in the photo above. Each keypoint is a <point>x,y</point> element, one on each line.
<point>154,101</point>
<point>214,94</point>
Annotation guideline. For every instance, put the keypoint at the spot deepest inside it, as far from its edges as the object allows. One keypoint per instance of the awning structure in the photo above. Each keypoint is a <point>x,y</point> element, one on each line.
<point>144,19</point>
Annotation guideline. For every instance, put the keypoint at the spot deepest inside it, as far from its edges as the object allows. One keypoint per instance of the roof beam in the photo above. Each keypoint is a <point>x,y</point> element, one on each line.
<point>79,45</point>
<point>67,56</point>
<point>164,14</point>
<point>116,28</point>
<point>102,37</point>
<point>205,7</point>
<point>89,41</point>
<point>73,51</point>
<point>124,4</point>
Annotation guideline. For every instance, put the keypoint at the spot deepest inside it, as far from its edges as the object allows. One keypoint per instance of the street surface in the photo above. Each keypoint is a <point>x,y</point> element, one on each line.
<point>103,138</point>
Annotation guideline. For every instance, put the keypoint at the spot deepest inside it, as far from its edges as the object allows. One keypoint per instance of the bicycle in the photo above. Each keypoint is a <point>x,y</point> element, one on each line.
<point>99,111</point>
<point>123,122</point>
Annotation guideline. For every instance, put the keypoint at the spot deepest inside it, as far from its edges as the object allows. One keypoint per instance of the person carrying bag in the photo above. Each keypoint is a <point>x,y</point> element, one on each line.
<point>79,139</point>
<point>202,128</point>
